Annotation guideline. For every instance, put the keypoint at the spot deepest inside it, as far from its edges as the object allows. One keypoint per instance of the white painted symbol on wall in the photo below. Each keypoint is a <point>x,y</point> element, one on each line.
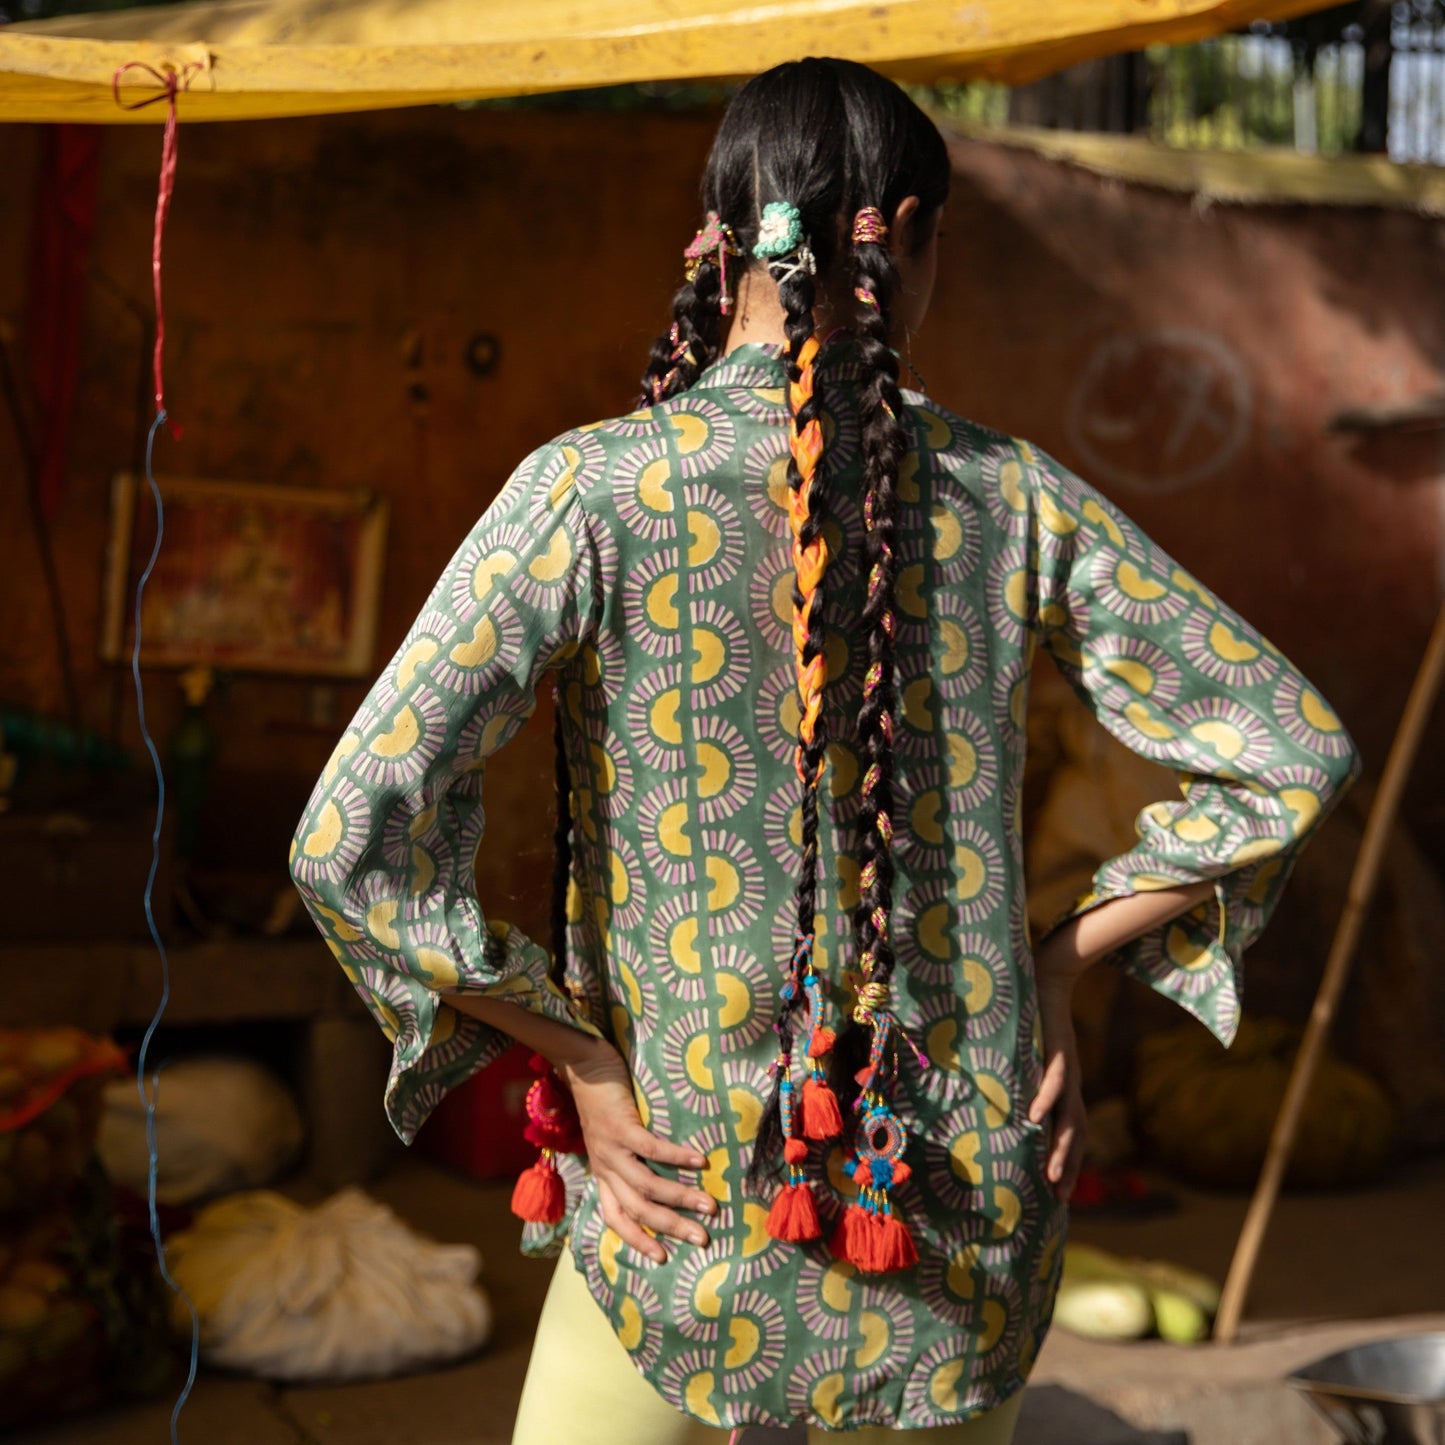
<point>1160,410</point>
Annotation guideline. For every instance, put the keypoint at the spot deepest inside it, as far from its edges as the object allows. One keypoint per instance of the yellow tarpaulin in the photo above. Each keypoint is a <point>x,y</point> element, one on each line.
<point>1266,175</point>
<point>253,58</point>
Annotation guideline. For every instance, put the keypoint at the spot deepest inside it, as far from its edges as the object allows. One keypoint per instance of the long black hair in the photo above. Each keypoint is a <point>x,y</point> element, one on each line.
<point>830,138</point>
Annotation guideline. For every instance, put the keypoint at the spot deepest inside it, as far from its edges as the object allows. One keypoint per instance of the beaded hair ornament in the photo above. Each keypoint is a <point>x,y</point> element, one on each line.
<point>714,241</point>
<point>540,1196</point>
<point>869,229</point>
<point>869,1234</point>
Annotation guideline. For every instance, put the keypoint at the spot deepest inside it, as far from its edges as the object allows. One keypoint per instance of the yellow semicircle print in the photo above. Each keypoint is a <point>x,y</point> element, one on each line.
<point>553,563</point>
<point>947,532</point>
<point>692,431</point>
<point>1133,583</point>
<point>324,837</point>
<point>486,573</point>
<point>745,1337</point>
<point>652,487</point>
<point>662,717</point>
<point>662,602</point>
<point>706,538</point>
<point>480,648</point>
<point>1131,671</point>
<point>1229,646</point>
<point>401,737</point>
<point>1316,714</point>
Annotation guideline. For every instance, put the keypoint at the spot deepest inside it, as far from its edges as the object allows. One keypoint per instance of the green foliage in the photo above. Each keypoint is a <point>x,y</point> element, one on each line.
<point>979,102</point>
<point>1242,90</point>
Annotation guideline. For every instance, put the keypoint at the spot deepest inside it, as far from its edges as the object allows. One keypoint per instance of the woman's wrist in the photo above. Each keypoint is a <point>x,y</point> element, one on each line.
<point>1081,941</point>
<point>564,1046</point>
<point>1059,961</point>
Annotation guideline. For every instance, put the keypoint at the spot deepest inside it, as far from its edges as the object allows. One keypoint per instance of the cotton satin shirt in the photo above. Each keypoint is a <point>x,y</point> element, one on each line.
<point>645,562</point>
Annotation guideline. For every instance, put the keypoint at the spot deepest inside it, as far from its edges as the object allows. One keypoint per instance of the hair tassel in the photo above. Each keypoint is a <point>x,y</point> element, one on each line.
<point>822,1118</point>
<point>793,1217</point>
<point>871,1236</point>
<point>540,1195</point>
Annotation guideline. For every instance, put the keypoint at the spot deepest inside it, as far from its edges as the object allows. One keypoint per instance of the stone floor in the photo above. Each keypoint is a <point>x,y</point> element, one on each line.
<point>1337,1269</point>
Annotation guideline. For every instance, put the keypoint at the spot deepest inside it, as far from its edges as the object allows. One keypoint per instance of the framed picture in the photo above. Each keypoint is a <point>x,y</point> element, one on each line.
<point>251,577</point>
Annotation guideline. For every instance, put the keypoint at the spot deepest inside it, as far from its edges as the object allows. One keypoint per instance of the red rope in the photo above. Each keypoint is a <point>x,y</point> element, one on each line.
<point>172,83</point>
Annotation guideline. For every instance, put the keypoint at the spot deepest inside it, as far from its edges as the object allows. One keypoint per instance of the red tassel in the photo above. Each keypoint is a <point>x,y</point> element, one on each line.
<point>821,1043</point>
<point>794,1215</point>
<point>894,1246</point>
<point>540,1197</point>
<point>901,1172</point>
<point>822,1119</point>
<point>848,1241</point>
<point>795,1151</point>
<point>896,1249</point>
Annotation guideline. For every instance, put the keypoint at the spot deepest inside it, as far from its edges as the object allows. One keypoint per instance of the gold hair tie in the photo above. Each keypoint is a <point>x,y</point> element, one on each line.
<point>874,997</point>
<point>869,227</point>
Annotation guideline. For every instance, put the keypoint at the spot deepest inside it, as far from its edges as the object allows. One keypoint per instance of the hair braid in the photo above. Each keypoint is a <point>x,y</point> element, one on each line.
<point>885,442</point>
<point>807,510</point>
<point>680,353</point>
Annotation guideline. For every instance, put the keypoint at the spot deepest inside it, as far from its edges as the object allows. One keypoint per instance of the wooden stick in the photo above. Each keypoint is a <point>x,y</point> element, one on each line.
<point>1337,966</point>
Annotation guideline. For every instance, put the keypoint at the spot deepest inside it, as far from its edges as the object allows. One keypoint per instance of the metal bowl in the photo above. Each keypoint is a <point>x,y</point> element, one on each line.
<point>1389,1392</point>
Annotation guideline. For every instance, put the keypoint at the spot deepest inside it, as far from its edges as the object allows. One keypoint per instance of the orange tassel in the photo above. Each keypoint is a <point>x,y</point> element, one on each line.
<point>821,1043</point>
<point>540,1197</point>
<point>894,1247</point>
<point>848,1239</point>
<point>794,1215</point>
<point>795,1151</point>
<point>822,1119</point>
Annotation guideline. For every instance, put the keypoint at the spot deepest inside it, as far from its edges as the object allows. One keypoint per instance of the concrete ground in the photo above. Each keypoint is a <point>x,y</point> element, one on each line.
<point>1336,1269</point>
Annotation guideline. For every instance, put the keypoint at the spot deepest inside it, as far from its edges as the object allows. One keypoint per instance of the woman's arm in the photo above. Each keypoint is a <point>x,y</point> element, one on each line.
<point>636,1202</point>
<point>1060,958</point>
<point>383,853</point>
<point>1176,676</point>
<point>1087,937</point>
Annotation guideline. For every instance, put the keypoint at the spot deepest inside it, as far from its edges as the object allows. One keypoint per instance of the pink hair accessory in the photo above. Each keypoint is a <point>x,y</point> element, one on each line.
<point>714,241</point>
<point>869,227</point>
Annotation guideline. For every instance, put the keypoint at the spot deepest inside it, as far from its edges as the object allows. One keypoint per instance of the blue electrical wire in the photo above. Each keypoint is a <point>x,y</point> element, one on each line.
<point>148,1101</point>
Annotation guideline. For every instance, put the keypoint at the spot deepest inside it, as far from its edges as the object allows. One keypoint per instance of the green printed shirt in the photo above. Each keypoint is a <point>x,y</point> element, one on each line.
<point>646,561</point>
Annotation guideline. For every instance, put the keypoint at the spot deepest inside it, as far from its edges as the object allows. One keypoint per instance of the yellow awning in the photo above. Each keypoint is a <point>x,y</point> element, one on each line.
<point>253,58</point>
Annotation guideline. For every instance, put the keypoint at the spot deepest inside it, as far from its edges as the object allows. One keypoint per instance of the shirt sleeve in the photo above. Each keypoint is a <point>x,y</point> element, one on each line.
<point>1175,675</point>
<point>383,855</point>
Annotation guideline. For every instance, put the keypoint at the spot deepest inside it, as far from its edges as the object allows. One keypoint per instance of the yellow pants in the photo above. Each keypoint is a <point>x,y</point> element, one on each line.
<point>583,1389</point>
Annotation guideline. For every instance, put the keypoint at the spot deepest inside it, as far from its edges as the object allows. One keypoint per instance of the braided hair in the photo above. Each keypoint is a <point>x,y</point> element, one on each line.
<point>680,355</point>
<point>822,139</point>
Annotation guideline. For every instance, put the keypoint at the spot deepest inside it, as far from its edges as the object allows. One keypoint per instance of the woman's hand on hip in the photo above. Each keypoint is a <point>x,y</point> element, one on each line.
<point>1060,1098</point>
<point>637,1203</point>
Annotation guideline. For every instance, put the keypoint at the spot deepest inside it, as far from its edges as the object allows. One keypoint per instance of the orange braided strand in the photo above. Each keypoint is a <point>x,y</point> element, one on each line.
<point>810,560</point>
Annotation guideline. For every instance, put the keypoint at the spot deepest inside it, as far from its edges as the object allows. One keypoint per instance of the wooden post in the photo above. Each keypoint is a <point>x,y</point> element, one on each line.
<point>1337,966</point>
